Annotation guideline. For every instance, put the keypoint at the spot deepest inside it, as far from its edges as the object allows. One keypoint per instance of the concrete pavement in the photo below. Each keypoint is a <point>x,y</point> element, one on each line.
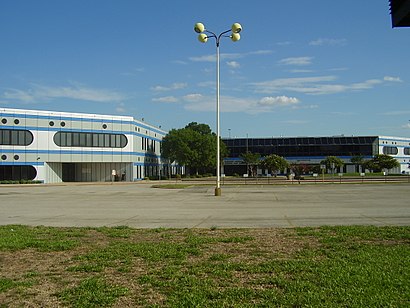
<point>140,206</point>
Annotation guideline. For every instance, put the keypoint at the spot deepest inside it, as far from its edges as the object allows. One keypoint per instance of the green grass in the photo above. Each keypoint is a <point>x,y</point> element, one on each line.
<point>353,266</point>
<point>92,292</point>
<point>16,237</point>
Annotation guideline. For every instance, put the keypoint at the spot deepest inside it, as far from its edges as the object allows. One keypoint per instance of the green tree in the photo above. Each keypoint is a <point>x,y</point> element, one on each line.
<point>380,162</point>
<point>332,161</point>
<point>300,169</point>
<point>203,129</point>
<point>275,163</point>
<point>358,161</point>
<point>252,160</point>
<point>193,146</point>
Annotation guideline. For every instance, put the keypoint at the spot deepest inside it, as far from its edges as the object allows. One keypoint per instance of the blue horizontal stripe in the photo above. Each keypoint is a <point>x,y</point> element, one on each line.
<point>72,130</point>
<point>6,163</point>
<point>95,120</point>
<point>78,152</point>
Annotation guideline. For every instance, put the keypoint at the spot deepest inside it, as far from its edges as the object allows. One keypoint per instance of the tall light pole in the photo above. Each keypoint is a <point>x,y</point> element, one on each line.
<point>203,36</point>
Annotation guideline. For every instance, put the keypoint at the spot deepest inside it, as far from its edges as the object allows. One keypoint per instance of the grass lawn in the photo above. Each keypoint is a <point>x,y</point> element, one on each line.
<point>356,266</point>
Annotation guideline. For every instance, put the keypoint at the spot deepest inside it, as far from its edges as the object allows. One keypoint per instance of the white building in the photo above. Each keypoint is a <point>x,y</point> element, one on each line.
<point>53,147</point>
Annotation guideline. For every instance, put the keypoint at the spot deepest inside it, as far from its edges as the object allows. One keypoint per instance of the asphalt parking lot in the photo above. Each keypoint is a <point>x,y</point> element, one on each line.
<point>240,206</point>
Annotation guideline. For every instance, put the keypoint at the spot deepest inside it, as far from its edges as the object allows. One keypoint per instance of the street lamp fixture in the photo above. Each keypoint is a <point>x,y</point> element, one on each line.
<point>203,36</point>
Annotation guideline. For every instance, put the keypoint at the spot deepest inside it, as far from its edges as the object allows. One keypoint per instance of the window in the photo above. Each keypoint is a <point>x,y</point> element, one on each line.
<point>390,150</point>
<point>16,173</point>
<point>62,124</point>
<point>73,139</point>
<point>406,151</point>
<point>51,123</point>
<point>16,121</point>
<point>4,121</point>
<point>15,137</point>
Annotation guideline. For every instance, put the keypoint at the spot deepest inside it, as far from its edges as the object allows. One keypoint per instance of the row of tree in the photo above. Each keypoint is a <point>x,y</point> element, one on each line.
<point>276,164</point>
<point>194,147</point>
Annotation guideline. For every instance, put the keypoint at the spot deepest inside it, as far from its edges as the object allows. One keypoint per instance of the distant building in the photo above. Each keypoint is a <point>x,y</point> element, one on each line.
<point>53,147</point>
<point>400,13</point>
<point>312,150</point>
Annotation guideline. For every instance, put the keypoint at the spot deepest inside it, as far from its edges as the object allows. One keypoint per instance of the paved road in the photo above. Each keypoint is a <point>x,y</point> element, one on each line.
<point>140,206</point>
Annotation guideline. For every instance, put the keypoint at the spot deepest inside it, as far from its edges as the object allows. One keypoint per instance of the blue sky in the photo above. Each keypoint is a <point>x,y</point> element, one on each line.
<point>301,68</point>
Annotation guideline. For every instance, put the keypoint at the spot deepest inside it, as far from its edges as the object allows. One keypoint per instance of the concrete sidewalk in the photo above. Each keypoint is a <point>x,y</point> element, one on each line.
<point>140,206</point>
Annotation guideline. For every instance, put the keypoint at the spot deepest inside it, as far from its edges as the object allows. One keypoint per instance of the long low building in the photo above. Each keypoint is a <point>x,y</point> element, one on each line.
<point>312,150</point>
<point>53,147</point>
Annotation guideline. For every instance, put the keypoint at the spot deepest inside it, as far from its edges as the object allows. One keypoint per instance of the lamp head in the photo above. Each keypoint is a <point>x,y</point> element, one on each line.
<point>235,37</point>
<point>203,38</point>
<point>199,27</point>
<point>236,28</point>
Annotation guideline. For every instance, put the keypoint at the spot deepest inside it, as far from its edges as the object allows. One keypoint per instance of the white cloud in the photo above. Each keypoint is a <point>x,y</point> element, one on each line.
<point>229,56</point>
<point>165,99</point>
<point>19,95</point>
<point>260,52</point>
<point>368,84</point>
<point>174,86</point>
<point>300,71</point>
<point>296,61</point>
<point>212,58</point>
<point>396,112</point>
<point>227,104</point>
<point>301,84</point>
<point>120,108</point>
<point>328,42</point>
<point>392,79</point>
<point>285,43</point>
<point>233,64</point>
<point>278,101</point>
<point>200,103</point>
<point>78,92</point>
<point>195,97</point>
<point>312,85</point>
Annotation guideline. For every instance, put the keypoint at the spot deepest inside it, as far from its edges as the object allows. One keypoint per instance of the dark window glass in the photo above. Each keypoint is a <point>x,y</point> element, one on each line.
<point>51,123</point>
<point>22,137</point>
<point>83,139</point>
<point>16,121</point>
<point>60,139</point>
<point>16,173</point>
<point>100,140</point>
<point>117,141</point>
<point>62,124</point>
<point>95,140</point>
<point>112,144</point>
<point>16,157</point>
<point>104,126</point>
<point>69,139</point>
<point>406,151</point>
<point>73,139</point>
<point>4,121</point>
<point>107,141</point>
<point>15,137</point>
<point>4,157</point>
<point>390,150</point>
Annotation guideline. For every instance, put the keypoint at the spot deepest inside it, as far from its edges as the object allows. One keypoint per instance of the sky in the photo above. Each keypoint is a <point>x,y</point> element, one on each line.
<point>301,68</point>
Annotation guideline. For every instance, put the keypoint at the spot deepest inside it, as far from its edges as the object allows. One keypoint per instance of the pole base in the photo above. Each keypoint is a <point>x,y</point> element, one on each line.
<point>218,191</point>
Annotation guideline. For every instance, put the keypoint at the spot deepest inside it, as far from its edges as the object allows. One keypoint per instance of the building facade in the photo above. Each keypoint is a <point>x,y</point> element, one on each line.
<point>53,147</point>
<point>312,150</point>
